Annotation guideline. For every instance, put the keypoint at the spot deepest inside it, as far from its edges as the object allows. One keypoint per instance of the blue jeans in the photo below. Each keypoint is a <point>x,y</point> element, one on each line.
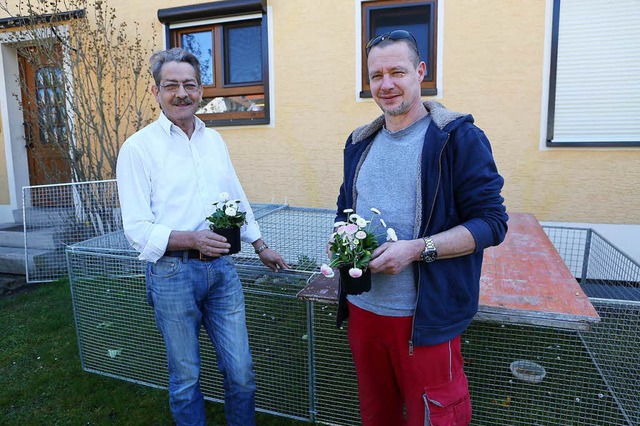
<point>185,294</point>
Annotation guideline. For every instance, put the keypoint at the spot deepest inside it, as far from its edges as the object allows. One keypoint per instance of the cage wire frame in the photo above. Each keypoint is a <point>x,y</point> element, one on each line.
<point>58,215</point>
<point>303,364</point>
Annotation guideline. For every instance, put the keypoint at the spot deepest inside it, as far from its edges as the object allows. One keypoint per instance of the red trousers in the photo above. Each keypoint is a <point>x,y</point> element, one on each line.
<point>430,384</point>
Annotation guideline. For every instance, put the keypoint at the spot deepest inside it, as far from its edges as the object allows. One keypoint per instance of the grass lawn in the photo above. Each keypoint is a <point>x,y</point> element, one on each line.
<point>42,382</point>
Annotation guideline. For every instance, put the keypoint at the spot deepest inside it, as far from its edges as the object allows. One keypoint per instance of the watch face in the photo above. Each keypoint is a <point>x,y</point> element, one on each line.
<point>429,256</point>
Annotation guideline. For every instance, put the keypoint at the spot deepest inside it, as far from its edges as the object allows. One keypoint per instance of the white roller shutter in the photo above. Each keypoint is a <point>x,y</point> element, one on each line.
<point>597,91</point>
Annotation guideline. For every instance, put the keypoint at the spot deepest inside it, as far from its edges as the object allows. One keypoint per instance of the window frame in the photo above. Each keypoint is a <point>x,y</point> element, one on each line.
<point>429,86</point>
<point>217,17</point>
<point>551,101</point>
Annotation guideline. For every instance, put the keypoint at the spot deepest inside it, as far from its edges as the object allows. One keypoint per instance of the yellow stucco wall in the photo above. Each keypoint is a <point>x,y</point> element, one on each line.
<point>493,68</point>
<point>493,55</point>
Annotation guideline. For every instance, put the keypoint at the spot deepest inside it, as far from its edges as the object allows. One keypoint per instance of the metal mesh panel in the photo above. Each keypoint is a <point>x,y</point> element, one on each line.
<point>298,234</point>
<point>611,279</point>
<point>570,243</point>
<point>614,346</point>
<point>611,274</point>
<point>336,387</point>
<point>608,273</point>
<point>118,337</point>
<point>116,331</point>
<point>303,363</point>
<point>577,389</point>
<point>279,339</point>
<point>571,392</point>
<point>56,216</point>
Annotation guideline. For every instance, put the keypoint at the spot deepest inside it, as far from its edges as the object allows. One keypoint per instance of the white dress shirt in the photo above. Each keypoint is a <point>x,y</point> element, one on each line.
<point>167,182</point>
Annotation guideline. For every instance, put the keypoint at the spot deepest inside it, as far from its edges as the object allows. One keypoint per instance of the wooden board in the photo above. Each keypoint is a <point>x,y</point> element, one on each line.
<point>524,281</point>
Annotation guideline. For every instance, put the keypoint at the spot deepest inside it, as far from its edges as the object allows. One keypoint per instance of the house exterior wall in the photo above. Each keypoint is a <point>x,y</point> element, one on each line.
<point>4,183</point>
<point>493,67</point>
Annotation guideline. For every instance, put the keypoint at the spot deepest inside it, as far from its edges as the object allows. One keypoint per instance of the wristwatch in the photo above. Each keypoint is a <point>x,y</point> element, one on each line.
<point>429,254</point>
<point>261,248</point>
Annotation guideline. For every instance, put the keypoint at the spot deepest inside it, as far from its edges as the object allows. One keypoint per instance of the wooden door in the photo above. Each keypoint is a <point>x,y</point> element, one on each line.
<point>45,118</point>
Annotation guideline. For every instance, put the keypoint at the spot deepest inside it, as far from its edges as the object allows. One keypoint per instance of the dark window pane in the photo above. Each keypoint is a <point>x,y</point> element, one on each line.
<point>201,45</point>
<point>244,54</point>
<point>414,19</point>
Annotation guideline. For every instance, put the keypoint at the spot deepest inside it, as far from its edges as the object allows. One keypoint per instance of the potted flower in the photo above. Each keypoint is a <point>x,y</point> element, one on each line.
<point>227,219</point>
<point>351,246</point>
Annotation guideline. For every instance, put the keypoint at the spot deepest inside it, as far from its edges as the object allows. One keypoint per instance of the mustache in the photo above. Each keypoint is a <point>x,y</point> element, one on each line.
<point>185,101</point>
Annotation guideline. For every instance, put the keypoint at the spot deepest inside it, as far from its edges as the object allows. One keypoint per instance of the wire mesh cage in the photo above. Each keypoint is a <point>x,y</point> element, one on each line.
<point>118,337</point>
<point>518,374</point>
<point>116,329</point>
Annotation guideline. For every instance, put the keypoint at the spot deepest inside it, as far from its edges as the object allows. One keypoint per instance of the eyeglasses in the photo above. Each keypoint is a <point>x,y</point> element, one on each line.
<point>175,87</point>
<point>393,35</point>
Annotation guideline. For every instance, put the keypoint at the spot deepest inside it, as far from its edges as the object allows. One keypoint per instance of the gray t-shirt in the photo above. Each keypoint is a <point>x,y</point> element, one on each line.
<point>388,181</point>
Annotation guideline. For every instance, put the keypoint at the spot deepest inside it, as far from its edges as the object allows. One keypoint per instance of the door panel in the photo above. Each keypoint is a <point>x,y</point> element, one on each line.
<point>45,119</point>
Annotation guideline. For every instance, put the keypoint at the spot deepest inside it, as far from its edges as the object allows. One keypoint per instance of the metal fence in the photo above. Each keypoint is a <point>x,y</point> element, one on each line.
<point>56,216</point>
<point>303,364</point>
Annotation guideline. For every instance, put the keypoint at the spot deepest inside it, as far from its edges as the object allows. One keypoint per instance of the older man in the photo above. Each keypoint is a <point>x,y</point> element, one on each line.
<point>431,173</point>
<point>169,174</point>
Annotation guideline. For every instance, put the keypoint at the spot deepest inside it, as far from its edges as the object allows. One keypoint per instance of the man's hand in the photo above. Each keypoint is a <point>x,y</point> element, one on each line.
<point>210,244</point>
<point>393,257</point>
<point>272,260</point>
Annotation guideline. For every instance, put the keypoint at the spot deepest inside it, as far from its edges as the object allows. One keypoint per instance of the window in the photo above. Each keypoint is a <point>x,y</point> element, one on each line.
<point>594,84</point>
<point>50,105</point>
<point>230,40</point>
<point>415,16</point>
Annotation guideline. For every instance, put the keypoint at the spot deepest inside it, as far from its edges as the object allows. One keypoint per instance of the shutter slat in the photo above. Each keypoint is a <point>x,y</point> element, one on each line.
<point>597,96</point>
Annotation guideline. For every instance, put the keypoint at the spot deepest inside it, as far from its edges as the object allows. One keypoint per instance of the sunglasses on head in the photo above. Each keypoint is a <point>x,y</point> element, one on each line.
<point>393,35</point>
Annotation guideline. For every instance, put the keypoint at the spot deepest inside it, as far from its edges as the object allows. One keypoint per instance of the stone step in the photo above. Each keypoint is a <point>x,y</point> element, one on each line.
<point>54,217</point>
<point>13,260</point>
<point>12,235</point>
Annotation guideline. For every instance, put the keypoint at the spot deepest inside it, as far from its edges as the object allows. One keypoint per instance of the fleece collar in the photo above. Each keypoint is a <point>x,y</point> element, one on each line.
<point>440,116</point>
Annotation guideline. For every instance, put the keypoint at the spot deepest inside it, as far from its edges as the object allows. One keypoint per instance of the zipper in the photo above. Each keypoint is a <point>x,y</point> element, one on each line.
<point>356,172</point>
<point>433,206</point>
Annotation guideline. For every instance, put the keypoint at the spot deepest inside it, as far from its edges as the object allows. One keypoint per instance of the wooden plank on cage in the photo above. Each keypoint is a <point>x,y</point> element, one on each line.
<point>524,281</point>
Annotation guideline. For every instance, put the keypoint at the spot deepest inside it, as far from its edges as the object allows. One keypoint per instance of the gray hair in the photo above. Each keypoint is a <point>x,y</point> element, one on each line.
<point>176,54</point>
<point>415,56</point>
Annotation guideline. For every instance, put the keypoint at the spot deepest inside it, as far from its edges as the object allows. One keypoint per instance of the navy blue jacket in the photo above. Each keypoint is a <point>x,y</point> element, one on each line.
<point>459,185</point>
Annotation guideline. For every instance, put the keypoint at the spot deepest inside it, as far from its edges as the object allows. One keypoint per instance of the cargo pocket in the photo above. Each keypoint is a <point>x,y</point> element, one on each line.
<point>448,404</point>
